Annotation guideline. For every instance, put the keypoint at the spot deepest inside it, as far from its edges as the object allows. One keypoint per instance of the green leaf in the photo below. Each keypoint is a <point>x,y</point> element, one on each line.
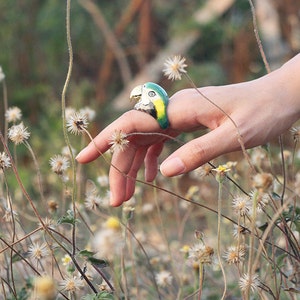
<point>68,218</point>
<point>86,253</point>
<point>100,263</point>
<point>99,296</point>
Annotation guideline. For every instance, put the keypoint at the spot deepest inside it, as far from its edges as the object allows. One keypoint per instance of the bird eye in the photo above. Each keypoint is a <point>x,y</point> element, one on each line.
<point>151,94</point>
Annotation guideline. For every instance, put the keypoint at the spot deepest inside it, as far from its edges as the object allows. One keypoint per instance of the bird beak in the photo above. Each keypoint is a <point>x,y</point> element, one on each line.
<point>136,93</point>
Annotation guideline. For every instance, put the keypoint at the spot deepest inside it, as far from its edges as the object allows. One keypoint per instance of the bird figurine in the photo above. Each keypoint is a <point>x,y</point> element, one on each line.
<point>152,99</point>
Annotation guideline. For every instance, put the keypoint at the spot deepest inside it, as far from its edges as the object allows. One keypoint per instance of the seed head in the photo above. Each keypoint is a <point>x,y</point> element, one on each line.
<point>38,251</point>
<point>118,141</point>
<point>18,133</point>
<point>249,282</point>
<point>77,122</point>
<point>174,67</point>
<point>4,161</point>
<point>13,114</point>
<point>59,164</point>
<point>164,278</point>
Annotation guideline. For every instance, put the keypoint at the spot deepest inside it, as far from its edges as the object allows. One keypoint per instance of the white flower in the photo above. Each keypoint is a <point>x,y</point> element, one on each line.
<point>38,251</point>
<point>13,114</point>
<point>108,242</point>
<point>242,205</point>
<point>18,133</point>
<point>234,254</point>
<point>90,113</point>
<point>295,131</point>
<point>118,141</point>
<point>66,260</point>
<point>59,164</point>
<point>201,253</point>
<point>4,161</point>
<point>77,122</point>
<point>163,278</point>
<point>92,201</point>
<point>249,282</point>
<point>71,284</point>
<point>174,67</point>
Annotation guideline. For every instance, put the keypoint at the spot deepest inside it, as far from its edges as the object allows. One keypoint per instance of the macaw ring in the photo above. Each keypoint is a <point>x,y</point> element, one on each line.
<point>152,99</point>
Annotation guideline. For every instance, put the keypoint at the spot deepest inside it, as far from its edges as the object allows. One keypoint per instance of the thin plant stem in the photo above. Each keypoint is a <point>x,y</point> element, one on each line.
<point>201,279</point>
<point>63,106</point>
<point>40,181</point>
<point>257,37</point>
<point>220,181</point>
<point>5,107</point>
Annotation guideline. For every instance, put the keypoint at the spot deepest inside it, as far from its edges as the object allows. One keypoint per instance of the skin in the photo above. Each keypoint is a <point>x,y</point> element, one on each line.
<point>262,109</point>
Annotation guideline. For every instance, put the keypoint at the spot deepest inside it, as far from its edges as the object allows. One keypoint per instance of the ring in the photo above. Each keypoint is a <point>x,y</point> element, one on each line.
<point>152,99</point>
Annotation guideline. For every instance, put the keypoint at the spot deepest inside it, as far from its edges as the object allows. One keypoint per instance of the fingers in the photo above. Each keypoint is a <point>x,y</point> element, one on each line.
<point>197,152</point>
<point>151,161</point>
<point>123,172</point>
<point>129,122</point>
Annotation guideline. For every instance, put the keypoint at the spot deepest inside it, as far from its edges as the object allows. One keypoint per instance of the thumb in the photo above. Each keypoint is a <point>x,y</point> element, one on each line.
<point>199,151</point>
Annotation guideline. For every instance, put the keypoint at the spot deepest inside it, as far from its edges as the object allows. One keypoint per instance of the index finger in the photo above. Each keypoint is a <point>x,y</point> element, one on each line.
<point>129,122</point>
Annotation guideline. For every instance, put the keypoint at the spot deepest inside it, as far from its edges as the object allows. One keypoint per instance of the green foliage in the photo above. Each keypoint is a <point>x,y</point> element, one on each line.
<point>99,296</point>
<point>68,218</point>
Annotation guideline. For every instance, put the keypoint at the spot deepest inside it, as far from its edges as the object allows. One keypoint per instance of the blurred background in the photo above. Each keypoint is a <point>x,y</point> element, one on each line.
<point>118,44</point>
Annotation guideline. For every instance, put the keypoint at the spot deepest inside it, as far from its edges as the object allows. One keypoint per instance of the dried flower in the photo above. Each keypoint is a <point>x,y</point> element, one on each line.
<point>234,254</point>
<point>174,67</point>
<point>262,181</point>
<point>242,205</point>
<point>18,133</point>
<point>92,201</point>
<point>202,171</point>
<point>52,206</point>
<point>65,151</point>
<point>44,288</point>
<point>239,230</point>
<point>262,200</point>
<point>88,112</point>
<point>47,222</point>
<point>77,122</point>
<point>107,243</point>
<point>249,282</point>
<point>118,141</point>
<point>295,131</point>
<point>4,161</point>
<point>201,253</point>
<point>59,164</point>
<point>9,215</point>
<point>71,284</point>
<point>38,251</point>
<point>13,114</point>
<point>164,278</point>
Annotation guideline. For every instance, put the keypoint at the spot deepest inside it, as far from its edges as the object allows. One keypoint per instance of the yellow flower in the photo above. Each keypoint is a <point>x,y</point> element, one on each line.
<point>113,223</point>
<point>66,260</point>
<point>44,288</point>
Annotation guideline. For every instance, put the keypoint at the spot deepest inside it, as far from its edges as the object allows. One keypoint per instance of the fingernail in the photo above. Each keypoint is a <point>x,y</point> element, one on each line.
<point>80,154</point>
<point>172,167</point>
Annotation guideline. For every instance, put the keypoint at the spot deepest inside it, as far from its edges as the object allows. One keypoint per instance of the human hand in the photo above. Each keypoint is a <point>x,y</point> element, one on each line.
<point>254,114</point>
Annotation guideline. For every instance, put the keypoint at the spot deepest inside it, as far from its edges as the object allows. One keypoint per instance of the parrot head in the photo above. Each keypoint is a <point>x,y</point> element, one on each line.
<point>152,99</point>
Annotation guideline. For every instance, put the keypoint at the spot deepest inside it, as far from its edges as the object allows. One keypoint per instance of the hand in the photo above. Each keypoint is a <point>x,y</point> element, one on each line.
<point>256,107</point>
